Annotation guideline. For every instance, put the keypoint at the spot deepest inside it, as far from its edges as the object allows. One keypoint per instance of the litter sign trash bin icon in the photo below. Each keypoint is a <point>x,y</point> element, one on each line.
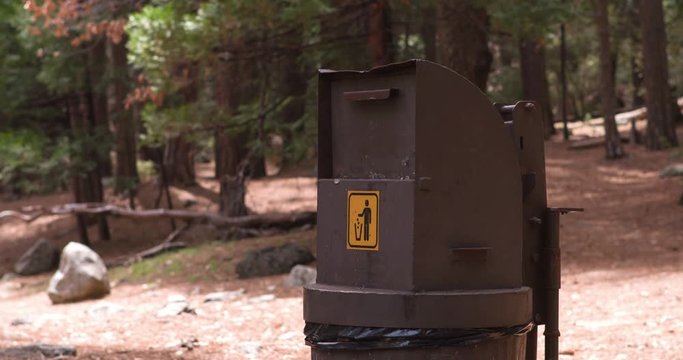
<point>363,220</point>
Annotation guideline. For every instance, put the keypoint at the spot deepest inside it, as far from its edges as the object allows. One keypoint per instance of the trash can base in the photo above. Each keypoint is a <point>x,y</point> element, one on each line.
<point>506,348</point>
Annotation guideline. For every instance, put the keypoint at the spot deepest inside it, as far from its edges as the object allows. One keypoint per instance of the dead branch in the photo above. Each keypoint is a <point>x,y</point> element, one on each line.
<point>145,254</point>
<point>168,244</point>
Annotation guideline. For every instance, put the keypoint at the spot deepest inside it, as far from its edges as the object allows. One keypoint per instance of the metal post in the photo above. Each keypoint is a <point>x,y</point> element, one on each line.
<point>551,252</point>
<point>531,343</point>
<point>563,80</point>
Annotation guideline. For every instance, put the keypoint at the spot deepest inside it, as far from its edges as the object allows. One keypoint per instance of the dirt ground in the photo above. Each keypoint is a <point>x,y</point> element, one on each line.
<point>621,298</point>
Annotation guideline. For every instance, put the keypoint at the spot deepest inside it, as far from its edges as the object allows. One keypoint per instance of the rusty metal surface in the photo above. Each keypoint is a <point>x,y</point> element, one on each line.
<point>430,309</point>
<point>507,348</point>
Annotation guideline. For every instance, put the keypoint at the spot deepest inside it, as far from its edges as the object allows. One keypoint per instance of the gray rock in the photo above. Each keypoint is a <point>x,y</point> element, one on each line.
<point>672,170</point>
<point>41,257</point>
<point>173,309</point>
<point>250,348</point>
<point>42,350</point>
<point>20,321</point>
<point>223,295</point>
<point>176,305</point>
<point>104,309</point>
<point>273,260</point>
<point>301,275</point>
<point>262,299</point>
<point>81,275</point>
<point>7,277</point>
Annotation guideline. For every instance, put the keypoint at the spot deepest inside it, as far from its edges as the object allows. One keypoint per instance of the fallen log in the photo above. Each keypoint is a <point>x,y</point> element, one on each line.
<point>283,221</point>
<point>593,142</point>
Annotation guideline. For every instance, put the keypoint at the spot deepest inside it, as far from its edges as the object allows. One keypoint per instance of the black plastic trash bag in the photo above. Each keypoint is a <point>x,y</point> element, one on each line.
<point>336,337</point>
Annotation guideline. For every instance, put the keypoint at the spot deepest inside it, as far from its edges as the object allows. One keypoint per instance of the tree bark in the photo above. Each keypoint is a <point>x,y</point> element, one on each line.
<point>613,147</point>
<point>232,196</point>
<point>661,131</point>
<point>98,94</point>
<point>535,81</point>
<point>462,40</point>
<point>428,31</point>
<point>123,120</point>
<point>380,37</point>
<point>229,150</point>
<point>87,181</point>
<point>179,161</point>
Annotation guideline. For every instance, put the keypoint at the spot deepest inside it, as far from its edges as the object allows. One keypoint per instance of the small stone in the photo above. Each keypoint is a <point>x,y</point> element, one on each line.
<point>250,348</point>
<point>262,298</point>
<point>177,304</point>
<point>189,344</point>
<point>223,295</point>
<point>176,298</point>
<point>20,321</point>
<point>172,309</point>
<point>7,277</point>
<point>104,308</point>
<point>672,170</point>
<point>301,275</point>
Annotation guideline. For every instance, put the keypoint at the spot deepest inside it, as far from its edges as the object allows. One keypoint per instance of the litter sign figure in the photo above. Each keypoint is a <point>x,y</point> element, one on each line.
<point>367,220</point>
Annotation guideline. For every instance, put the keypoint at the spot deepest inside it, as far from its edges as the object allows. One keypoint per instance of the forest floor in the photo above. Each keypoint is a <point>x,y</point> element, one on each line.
<point>621,297</point>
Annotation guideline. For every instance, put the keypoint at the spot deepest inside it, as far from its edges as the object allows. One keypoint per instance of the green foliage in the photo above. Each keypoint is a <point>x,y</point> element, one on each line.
<point>30,163</point>
<point>674,20</point>
<point>23,99</point>
<point>85,148</point>
<point>182,49</point>
<point>146,169</point>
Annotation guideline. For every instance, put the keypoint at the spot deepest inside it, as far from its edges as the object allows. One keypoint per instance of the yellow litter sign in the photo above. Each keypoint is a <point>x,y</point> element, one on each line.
<point>363,220</point>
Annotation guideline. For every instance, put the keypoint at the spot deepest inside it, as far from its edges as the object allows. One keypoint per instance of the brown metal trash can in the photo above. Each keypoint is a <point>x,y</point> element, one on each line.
<point>425,202</point>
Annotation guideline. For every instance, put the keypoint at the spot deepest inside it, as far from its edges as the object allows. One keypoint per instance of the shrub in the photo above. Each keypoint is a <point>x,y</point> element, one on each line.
<point>31,163</point>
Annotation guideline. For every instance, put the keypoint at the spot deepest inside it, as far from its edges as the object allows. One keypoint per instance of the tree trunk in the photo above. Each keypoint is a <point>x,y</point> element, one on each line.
<point>661,131</point>
<point>87,181</point>
<point>96,69</point>
<point>380,37</point>
<point>179,161</point>
<point>232,193</point>
<point>462,40</point>
<point>535,81</point>
<point>124,123</point>
<point>612,140</point>
<point>428,31</point>
<point>228,149</point>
